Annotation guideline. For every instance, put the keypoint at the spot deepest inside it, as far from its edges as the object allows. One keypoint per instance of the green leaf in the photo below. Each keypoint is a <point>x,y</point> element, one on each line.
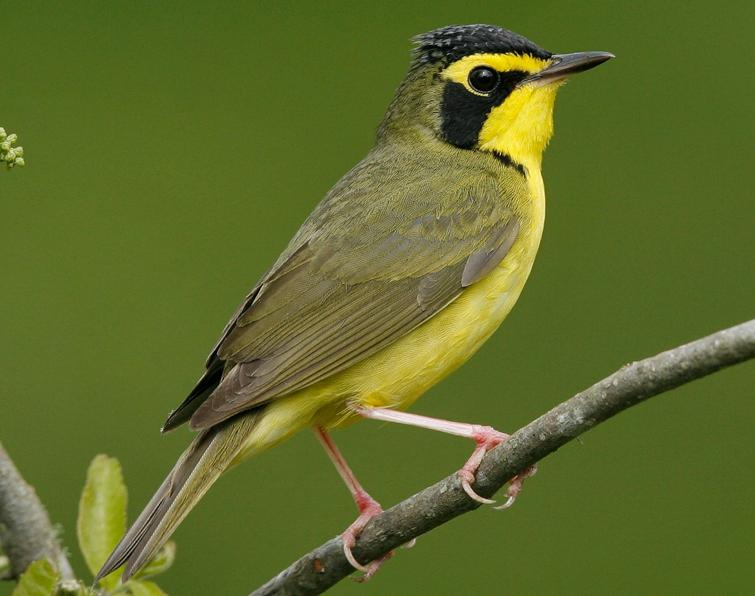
<point>162,561</point>
<point>142,588</point>
<point>39,579</point>
<point>102,515</point>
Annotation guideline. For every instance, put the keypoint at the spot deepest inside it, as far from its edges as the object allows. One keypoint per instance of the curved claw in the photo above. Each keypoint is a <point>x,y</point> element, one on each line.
<point>367,570</point>
<point>368,508</point>
<point>466,479</point>
<point>509,502</point>
<point>352,560</point>
<point>487,438</point>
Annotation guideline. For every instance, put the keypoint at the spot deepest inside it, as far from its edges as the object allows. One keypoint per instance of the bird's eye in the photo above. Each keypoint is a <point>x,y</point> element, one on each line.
<point>483,79</point>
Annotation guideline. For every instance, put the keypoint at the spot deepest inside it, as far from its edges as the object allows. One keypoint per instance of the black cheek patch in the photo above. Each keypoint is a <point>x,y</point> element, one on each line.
<point>463,114</point>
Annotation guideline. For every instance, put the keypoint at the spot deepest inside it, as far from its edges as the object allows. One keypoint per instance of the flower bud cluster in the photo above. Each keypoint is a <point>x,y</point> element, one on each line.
<point>12,156</point>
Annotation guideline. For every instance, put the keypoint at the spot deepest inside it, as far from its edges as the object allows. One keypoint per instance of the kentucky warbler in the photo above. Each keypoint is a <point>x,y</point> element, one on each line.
<point>398,276</point>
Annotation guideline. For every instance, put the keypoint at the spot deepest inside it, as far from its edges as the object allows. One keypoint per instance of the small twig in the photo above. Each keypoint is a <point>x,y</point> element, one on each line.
<point>26,533</point>
<point>323,567</point>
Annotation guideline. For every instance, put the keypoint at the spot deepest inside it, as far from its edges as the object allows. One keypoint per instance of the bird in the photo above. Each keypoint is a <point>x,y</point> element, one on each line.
<point>397,277</point>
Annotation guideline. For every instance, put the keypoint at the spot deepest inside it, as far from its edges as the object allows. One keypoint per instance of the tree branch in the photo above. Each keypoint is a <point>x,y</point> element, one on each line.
<point>326,565</point>
<point>26,533</point>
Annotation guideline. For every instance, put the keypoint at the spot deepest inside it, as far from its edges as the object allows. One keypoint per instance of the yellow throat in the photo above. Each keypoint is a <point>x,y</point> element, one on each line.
<point>523,124</point>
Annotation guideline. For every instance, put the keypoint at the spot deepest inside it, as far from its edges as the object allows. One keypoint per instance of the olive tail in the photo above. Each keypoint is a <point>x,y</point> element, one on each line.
<point>199,466</point>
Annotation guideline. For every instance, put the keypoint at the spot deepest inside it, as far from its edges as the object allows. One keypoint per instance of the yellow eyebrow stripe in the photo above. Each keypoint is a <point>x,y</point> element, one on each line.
<point>459,70</point>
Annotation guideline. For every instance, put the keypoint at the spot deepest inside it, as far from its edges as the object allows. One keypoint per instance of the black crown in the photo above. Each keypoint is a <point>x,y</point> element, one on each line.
<point>448,44</point>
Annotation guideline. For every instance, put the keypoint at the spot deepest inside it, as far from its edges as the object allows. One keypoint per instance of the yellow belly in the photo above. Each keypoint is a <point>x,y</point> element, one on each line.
<point>396,376</point>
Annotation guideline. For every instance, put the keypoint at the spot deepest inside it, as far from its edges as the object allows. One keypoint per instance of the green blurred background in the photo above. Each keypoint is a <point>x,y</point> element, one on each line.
<point>173,150</point>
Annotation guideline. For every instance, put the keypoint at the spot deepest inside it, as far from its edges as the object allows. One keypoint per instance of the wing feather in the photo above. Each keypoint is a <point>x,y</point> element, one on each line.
<point>365,269</point>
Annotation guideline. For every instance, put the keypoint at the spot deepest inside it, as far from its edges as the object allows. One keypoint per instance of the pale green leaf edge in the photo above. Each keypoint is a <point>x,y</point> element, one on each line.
<point>102,515</point>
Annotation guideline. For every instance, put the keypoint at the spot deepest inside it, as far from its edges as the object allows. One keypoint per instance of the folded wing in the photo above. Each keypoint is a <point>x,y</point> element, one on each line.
<point>366,268</point>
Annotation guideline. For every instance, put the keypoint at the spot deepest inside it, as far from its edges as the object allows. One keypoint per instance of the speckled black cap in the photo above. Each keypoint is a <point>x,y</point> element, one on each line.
<point>448,44</point>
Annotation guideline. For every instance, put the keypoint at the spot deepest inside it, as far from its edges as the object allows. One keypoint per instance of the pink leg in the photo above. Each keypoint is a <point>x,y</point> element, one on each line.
<point>486,438</point>
<point>368,507</point>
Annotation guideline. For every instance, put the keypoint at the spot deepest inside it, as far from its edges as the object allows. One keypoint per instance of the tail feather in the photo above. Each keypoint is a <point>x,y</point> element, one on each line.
<point>199,466</point>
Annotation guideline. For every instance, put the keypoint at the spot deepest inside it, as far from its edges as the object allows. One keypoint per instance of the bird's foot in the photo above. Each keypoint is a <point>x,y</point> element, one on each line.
<point>487,438</point>
<point>368,508</point>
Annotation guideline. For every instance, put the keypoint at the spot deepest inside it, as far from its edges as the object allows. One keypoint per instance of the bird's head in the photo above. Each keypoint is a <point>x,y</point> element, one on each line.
<point>484,88</point>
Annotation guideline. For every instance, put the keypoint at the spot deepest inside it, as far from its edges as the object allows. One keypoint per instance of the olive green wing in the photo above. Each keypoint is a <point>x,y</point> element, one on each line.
<point>365,269</point>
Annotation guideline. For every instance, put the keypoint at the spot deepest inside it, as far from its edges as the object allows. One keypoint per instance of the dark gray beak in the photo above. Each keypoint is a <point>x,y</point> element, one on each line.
<point>564,65</point>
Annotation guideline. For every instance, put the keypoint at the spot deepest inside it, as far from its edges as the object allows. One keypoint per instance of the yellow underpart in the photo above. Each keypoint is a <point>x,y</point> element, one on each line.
<point>401,373</point>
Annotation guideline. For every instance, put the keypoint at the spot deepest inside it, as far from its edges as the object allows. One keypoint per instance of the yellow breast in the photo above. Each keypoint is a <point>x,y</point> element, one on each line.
<point>399,374</point>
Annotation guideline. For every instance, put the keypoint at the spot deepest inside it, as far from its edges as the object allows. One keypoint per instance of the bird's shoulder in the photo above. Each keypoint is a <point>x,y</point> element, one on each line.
<point>405,213</point>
